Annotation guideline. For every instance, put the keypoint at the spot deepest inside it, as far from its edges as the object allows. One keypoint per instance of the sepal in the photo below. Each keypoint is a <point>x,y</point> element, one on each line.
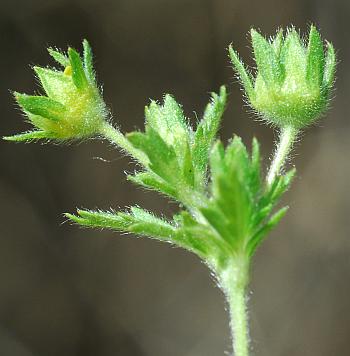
<point>329,70</point>
<point>59,57</point>
<point>41,105</point>
<point>78,72</point>
<point>244,76</point>
<point>266,59</point>
<point>315,62</point>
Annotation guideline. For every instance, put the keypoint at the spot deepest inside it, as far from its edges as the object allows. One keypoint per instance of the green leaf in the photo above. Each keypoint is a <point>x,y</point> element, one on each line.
<point>231,219</point>
<point>41,105</point>
<point>256,240</point>
<point>266,59</point>
<point>186,232</point>
<point>187,167</point>
<point>154,182</point>
<point>255,174</point>
<point>270,197</point>
<point>244,75</point>
<point>173,113</point>
<point>207,130</point>
<point>177,155</point>
<point>239,207</point>
<point>168,144</point>
<point>237,159</point>
<point>198,238</point>
<point>261,213</point>
<point>169,122</point>
<point>59,57</point>
<point>146,223</point>
<point>217,158</point>
<point>138,221</point>
<point>163,160</point>
<point>78,73</point>
<point>315,58</point>
<point>230,208</point>
<point>329,69</point>
<point>281,186</point>
<point>88,61</point>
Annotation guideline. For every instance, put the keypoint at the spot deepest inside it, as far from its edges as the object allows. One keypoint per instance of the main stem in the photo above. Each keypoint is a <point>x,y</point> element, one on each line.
<point>234,281</point>
<point>287,137</point>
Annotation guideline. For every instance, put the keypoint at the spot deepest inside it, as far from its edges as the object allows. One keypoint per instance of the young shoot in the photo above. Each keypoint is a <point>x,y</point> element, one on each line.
<point>227,206</point>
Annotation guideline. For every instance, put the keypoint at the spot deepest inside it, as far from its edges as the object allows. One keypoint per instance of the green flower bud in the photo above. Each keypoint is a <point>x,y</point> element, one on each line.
<point>293,80</point>
<point>72,108</point>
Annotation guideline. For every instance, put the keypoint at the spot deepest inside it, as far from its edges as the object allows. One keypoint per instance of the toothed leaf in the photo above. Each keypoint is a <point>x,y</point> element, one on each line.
<point>138,221</point>
<point>152,181</point>
<point>257,239</point>
<point>168,120</point>
<point>207,130</point>
<point>162,157</point>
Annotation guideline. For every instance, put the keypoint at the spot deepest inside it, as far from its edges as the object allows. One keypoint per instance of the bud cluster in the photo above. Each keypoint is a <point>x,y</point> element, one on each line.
<point>72,108</point>
<point>293,80</point>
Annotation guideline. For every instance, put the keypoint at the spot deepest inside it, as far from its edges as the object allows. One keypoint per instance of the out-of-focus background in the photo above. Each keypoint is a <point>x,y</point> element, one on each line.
<point>74,292</point>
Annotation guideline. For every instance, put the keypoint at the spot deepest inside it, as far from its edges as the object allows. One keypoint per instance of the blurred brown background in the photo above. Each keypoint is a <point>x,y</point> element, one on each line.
<point>69,291</point>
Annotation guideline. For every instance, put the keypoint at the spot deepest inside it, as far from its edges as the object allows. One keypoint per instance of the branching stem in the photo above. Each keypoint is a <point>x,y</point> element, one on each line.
<point>113,134</point>
<point>287,138</point>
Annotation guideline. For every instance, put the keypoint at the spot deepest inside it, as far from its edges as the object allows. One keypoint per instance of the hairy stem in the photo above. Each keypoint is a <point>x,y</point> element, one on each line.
<point>234,282</point>
<point>113,134</point>
<point>287,137</point>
